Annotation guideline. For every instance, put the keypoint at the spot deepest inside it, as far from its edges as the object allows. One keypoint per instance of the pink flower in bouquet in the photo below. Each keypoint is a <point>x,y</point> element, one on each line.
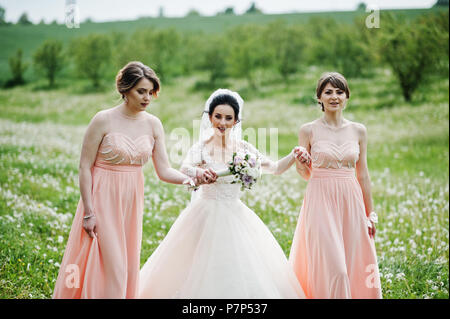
<point>237,160</point>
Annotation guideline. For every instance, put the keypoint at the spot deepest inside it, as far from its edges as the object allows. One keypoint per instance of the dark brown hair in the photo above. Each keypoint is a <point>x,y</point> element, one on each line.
<point>336,79</point>
<point>131,73</point>
<point>225,99</point>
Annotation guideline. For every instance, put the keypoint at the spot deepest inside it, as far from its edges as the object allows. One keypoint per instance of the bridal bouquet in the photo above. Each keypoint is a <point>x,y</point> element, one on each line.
<point>245,168</point>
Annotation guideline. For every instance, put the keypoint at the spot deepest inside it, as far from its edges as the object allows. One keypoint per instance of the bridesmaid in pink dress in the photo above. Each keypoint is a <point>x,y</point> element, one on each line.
<point>102,256</point>
<point>333,252</point>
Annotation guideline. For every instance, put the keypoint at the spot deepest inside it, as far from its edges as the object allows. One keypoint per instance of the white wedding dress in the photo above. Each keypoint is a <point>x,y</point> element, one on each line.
<point>218,247</point>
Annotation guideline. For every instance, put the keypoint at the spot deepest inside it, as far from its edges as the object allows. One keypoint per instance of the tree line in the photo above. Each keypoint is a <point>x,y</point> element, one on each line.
<point>412,49</point>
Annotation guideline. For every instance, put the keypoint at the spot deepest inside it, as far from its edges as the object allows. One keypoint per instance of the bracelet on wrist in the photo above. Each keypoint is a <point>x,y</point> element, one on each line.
<point>190,183</point>
<point>89,216</point>
<point>372,218</point>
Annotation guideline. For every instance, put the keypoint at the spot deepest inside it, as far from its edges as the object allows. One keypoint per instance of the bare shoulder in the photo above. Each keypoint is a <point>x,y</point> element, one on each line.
<point>153,119</point>
<point>154,124</point>
<point>306,128</point>
<point>100,119</point>
<point>359,128</point>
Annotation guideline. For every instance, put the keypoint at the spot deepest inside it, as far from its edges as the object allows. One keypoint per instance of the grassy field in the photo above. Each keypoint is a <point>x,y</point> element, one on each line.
<point>30,37</point>
<point>408,155</point>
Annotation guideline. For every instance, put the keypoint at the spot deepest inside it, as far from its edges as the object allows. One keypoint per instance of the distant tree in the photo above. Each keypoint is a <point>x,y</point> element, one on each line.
<point>286,45</point>
<point>54,22</point>
<point>161,12</point>
<point>351,56</point>
<point>361,7</point>
<point>411,50</point>
<point>49,58</point>
<point>92,54</point>
<point>347,49</point>
<point>42,22</point>
<point>2,16</point>
<point>227,11</point>
<point>214,59</point>
<point>193,13</point>
<point>161,48</point>
<point>319,38</point>
<point>190,58</point>
<point>23,19</point>
<point>17,67</point>
<point>443,3</point>
<point>88,20</point>
<point>438,23</point>
<point>253,9</point>
<point>246,52</point>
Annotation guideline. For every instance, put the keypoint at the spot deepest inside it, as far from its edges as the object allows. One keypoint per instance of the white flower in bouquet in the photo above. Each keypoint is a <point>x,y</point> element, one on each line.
<point>253,172</point>
<point>245,168</point>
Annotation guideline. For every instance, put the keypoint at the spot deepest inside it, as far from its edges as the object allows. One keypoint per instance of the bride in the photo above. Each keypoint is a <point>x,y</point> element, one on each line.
<point>218,247</point>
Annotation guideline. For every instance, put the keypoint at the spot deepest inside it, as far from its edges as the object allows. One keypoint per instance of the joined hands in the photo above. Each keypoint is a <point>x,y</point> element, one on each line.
<point>302,156</point>
<point>205,176</point>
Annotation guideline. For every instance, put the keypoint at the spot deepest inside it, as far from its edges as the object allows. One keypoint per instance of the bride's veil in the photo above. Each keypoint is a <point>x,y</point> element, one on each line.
<point>206,130</point>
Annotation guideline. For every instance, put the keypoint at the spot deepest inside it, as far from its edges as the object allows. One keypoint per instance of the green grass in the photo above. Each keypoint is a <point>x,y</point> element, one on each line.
<point>40,142</point>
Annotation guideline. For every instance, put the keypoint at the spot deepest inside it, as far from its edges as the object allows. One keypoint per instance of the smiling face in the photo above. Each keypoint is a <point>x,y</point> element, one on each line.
<point>140,95</point>
<point>333,98</point>
<point>222,119</point>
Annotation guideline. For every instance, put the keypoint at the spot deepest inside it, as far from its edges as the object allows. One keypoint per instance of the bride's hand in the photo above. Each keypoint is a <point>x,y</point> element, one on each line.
<point>206,176</point>
<point>210,176</point>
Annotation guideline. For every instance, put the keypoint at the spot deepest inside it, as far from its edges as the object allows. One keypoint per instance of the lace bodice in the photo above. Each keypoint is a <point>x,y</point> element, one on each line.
<point>222,189</point>
<point>119,149</point>
<point>326,153</point>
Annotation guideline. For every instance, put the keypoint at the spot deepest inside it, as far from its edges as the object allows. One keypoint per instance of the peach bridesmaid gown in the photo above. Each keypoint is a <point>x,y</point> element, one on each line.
<point>107,266</point>
<point>332,253</point>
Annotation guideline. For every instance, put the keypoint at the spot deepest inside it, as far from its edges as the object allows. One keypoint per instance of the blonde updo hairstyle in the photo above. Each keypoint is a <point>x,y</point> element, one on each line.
<point>131,73</point>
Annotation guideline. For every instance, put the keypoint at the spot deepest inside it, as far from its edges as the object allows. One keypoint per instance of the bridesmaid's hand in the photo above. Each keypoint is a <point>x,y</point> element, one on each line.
<point>302,155</point>
<point>90,226</point>
<point>372,230</point>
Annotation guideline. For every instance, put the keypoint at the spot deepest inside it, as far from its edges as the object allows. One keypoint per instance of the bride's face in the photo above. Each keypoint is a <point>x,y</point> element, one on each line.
<point>222,119</point>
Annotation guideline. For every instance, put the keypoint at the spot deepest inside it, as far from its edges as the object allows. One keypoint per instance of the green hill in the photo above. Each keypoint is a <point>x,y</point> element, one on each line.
<point>30,37</point>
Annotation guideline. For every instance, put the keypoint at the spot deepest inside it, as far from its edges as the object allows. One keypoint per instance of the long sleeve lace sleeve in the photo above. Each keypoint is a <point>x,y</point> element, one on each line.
<point>267,165</point>
<point>192,160</point>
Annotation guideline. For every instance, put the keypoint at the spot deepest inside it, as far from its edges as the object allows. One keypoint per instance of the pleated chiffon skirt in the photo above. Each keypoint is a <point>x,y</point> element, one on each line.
<point>332,254</point>
<point>106,266</point>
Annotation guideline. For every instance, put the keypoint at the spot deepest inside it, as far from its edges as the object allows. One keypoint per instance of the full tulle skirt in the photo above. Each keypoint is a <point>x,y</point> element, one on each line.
<point>332,253</point>
<point>106,266</point>
<point>218,249</point>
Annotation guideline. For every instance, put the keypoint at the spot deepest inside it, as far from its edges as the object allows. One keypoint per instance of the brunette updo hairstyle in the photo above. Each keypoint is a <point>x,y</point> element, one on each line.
<point>225,99</point>
<point>336,79</point>
<point>131,73</point>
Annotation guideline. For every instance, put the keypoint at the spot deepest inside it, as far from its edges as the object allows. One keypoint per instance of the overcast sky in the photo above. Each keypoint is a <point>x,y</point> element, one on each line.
<point>111,10</point>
